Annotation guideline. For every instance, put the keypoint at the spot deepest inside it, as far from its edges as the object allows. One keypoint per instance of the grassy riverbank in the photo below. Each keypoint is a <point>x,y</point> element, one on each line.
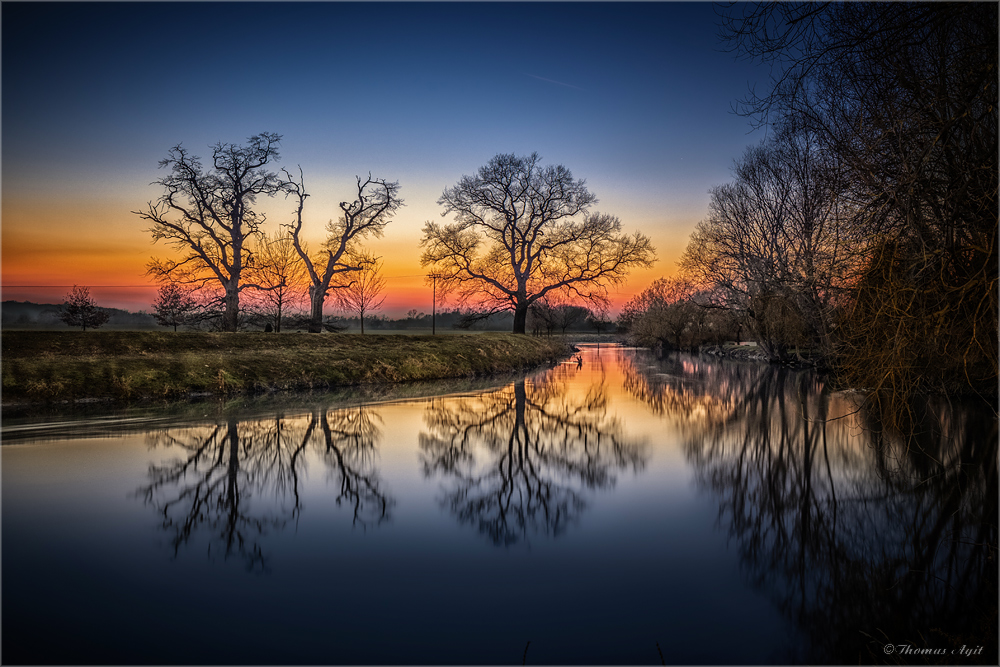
<point>135,365</point>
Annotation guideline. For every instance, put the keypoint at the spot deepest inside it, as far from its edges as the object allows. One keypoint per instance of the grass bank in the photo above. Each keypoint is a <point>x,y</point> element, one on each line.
<point>136,365</point>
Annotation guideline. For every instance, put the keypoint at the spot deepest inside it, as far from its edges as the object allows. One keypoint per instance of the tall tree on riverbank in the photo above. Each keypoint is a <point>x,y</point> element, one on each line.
<point>778,246</point>
<point>522,232</point>
<point>377,200</point>
<point>905,95</point>
<point>208,216</point>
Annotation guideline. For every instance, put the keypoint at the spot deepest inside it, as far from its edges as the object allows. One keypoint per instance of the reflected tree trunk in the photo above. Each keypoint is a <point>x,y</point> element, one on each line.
<point>518,461</point>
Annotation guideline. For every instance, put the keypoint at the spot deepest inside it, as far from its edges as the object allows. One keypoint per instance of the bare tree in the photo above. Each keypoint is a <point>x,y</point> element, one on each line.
<point>235,480</point>
<point>174,306</point>
<point>522,459</point>
<point>80,310</point>
<point>778,246</point>
<point>361,291</point>
<point>208,216</point>
<point>376,202</point>
<point>524,231</point>
<point>905,95</point>
<point>278,269</point>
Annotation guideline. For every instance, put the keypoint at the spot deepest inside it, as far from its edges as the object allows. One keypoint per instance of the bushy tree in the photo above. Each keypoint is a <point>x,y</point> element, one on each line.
<point>671,314</point>
<point>79,309</point>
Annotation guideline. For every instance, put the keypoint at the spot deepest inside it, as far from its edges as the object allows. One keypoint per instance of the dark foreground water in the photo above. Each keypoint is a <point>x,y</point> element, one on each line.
<point>622,510</point>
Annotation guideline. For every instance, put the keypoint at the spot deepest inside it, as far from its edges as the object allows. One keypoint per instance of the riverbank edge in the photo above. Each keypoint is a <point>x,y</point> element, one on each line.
<point>141,367</point>
<point>737,352</point>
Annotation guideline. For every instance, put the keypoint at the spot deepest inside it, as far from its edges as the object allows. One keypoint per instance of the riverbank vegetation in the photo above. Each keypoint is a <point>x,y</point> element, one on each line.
<point>863,231</point>
<point>50,366</point>
<point>545,317</point>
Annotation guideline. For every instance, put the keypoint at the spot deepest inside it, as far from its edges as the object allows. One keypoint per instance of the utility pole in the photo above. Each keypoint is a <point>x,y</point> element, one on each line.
<point>433,278</point>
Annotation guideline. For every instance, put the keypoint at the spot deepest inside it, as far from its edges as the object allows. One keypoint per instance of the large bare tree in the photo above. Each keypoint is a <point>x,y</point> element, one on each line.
<point>377,200</point>
<point>778,245</point>
<point>523,231</point>
<point>208,216</point>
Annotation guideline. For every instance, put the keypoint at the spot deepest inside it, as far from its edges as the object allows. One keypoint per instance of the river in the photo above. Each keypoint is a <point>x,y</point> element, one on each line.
<point>615,509</point>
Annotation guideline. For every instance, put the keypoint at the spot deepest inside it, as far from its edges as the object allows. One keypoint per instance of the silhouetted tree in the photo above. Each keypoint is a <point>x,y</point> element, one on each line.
<point>238,479</point>
<point>277,268</point>
<point>521,458</point>
<point>207,215</point>
<point>174,306</point>
<point>361,291</point>
<point>376,202</point>
<point>905,96</point>
<point>779,246</point>
<point>80,310</point>
<point>523,232</point>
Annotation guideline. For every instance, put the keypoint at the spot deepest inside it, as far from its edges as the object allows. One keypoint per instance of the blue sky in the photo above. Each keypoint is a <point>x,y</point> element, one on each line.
<point>634,97</point>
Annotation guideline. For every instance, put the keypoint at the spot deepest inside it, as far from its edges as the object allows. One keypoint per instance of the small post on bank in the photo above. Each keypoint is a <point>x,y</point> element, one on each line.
<point>433,278</point>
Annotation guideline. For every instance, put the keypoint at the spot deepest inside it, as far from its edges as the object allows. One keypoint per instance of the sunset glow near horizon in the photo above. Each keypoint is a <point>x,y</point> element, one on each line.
<point>634,98</point>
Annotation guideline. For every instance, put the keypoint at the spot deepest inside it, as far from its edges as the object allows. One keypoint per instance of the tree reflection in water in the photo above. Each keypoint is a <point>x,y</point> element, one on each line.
<point>520,459</point>
<point>865,536</point>
<point>239,479</point>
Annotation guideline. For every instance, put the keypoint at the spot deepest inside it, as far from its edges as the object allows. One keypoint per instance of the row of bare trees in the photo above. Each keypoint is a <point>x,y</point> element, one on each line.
<point>208,216</point>
<point>524,235</point>
<point>285,295</point>
<point>865,227</point>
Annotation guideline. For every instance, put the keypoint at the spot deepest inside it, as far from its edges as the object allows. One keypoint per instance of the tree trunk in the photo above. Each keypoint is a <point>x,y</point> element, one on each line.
<point>230,317</point>
<point>316,310</point>
<point>232,483</point>
<point>520,401</point>
<point>520,317</point>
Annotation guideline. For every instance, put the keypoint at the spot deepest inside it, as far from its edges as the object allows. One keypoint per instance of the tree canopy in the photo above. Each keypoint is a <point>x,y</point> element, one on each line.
<point>372,208</point>
<point>208,216</point>
<point>81,310</point>
<point>523,231</point>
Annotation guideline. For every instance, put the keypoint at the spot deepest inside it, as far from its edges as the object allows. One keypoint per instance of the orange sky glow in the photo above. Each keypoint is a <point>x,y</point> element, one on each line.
<point>634,99</point>
<point>49,246</point>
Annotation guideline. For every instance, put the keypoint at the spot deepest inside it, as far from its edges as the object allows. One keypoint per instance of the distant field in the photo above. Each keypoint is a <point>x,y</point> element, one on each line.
<point>143,365</point>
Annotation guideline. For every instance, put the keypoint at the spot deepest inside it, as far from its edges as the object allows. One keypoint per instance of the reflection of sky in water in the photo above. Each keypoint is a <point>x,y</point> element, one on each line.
<point>650,551</point>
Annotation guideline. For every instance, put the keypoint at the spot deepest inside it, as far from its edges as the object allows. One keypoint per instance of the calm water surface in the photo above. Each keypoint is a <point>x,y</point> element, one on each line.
<point>622,510</point>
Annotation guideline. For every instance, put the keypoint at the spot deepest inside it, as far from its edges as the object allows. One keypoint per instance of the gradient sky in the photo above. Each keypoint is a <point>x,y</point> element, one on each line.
<point>634,98</point>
